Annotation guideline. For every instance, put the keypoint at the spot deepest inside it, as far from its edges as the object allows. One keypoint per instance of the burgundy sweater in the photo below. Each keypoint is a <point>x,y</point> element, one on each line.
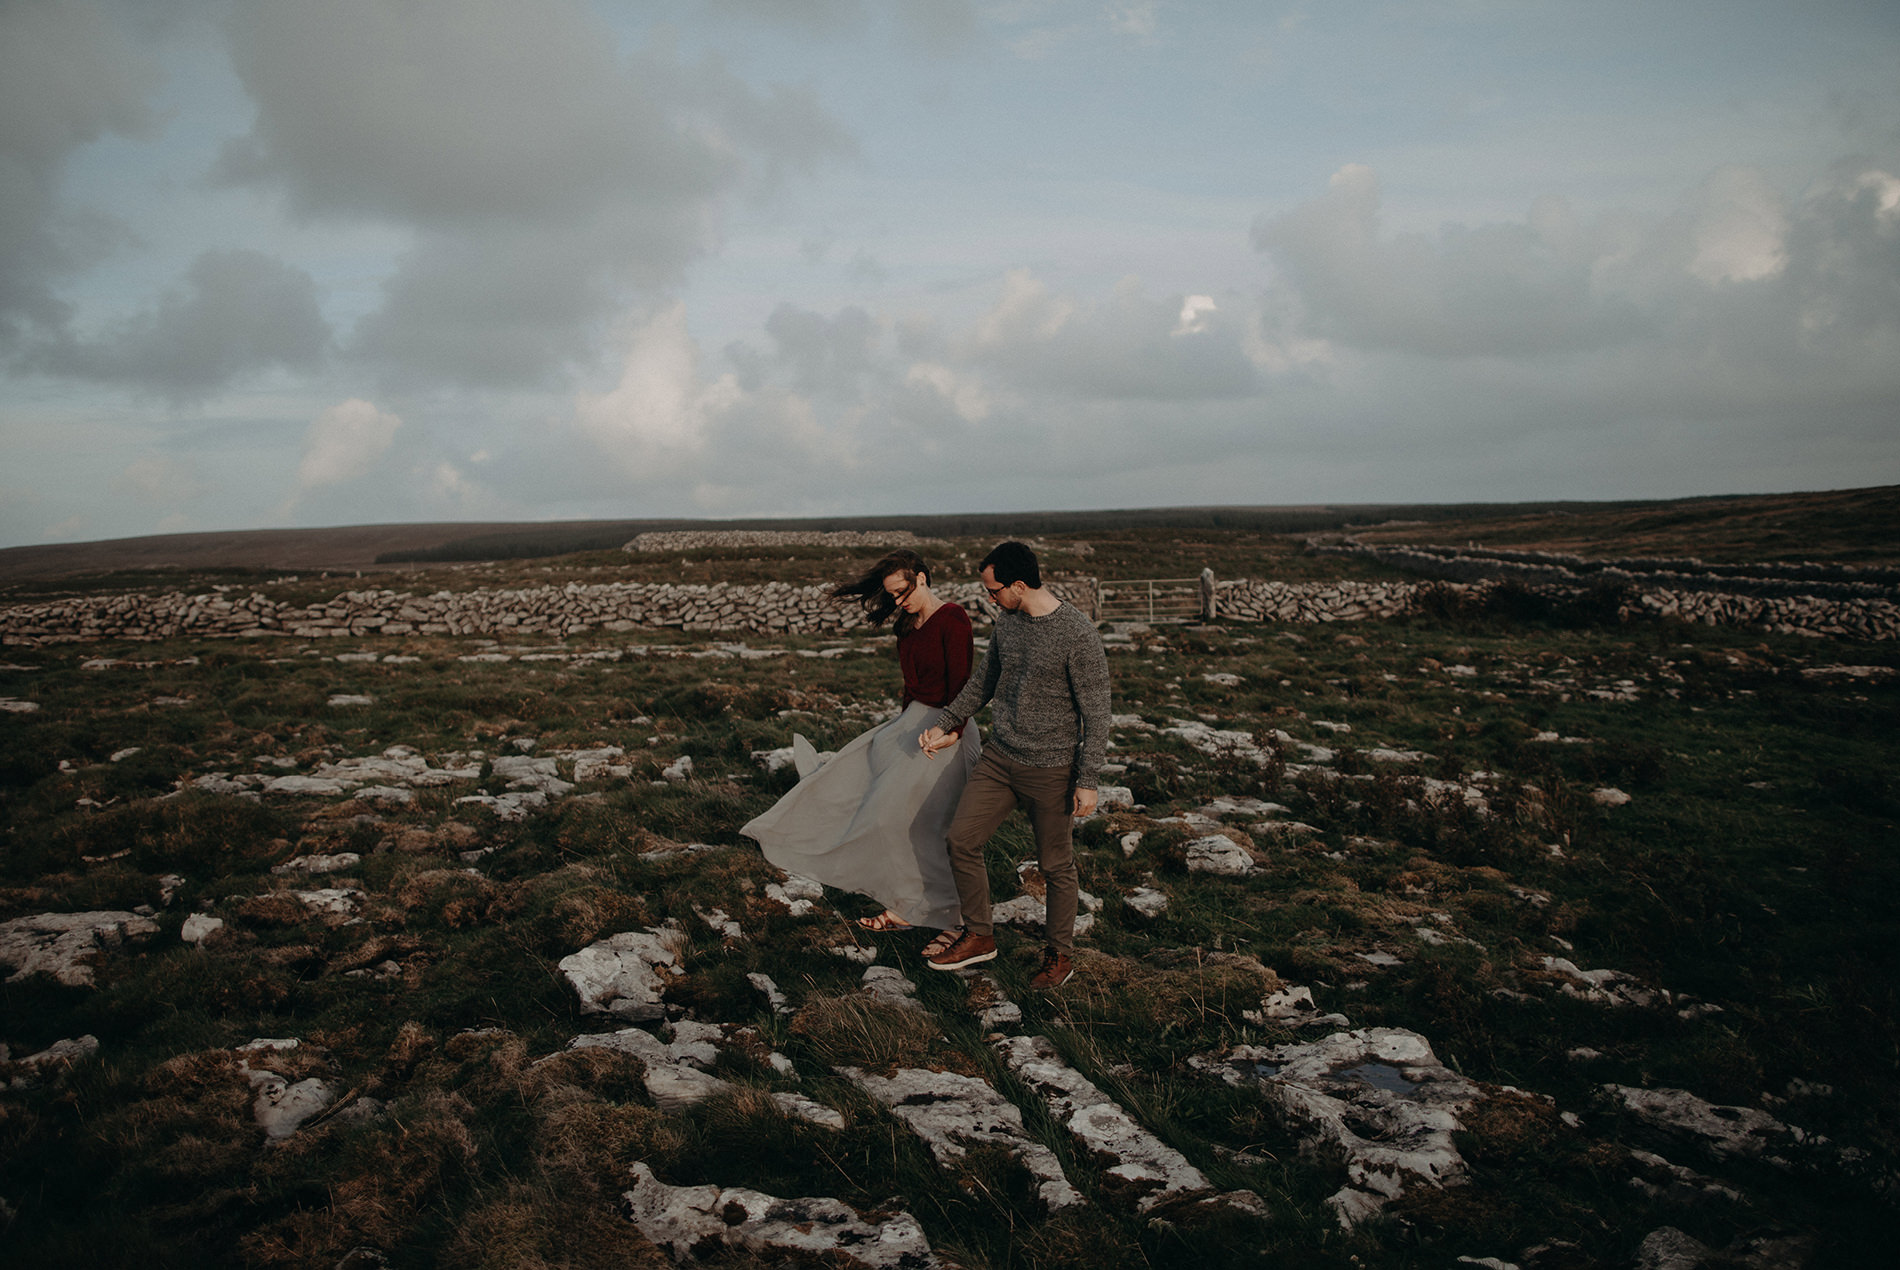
<point>936,656</point>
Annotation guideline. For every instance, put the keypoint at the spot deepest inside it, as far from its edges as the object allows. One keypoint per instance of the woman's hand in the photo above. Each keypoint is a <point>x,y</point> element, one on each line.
<point>934,739</point>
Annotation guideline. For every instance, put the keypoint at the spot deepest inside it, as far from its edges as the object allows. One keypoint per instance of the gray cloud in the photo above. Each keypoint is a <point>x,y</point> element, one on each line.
<point>237,312</point>
<point>546,178</point>
<point>1504,290</point>
<point>1738,285</point>
<point>1128,346</point>
<point>67,77</point>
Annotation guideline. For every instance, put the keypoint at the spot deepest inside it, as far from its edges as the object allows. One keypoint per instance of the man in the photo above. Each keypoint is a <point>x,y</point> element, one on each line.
<point>1046,680</point>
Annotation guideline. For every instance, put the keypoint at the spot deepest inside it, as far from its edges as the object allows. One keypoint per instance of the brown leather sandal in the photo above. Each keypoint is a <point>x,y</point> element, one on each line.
<point>943,940</point>
<point>885,921</point>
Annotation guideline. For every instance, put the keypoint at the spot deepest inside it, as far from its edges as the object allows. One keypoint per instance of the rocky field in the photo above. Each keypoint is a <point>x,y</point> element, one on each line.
<point>1460,938</point>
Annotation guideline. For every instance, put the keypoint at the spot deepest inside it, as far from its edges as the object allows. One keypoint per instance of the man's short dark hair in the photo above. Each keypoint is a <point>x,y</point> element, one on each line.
<point>1013,562</point>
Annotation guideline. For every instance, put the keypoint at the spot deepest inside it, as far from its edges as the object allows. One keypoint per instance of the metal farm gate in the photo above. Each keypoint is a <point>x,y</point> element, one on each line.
<point>1148,600</point>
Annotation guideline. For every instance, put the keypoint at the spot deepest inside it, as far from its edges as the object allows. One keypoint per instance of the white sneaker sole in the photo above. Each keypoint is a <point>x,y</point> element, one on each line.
<point>967,961</point>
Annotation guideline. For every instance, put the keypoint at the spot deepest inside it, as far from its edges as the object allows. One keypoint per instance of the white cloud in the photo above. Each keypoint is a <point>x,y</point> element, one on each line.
<point>1194,311</point>
<point>1741,229</point>
<point>345,442</point>
<point>965,393</point>
<point>657,415</point>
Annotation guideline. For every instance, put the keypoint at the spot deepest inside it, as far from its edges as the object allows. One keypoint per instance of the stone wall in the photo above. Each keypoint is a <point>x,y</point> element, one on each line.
<point>1249,601</point>
<point>693,539</point>
<point>772,607</point>
<point>1777,578</point>
<point>777,607</point>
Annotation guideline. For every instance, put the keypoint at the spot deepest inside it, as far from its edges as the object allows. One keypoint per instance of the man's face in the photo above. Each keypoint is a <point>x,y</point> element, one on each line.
<point>1006,597</point>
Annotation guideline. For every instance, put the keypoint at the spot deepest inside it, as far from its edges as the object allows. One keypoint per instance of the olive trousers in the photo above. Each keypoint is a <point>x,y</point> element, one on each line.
<point>997,785</point>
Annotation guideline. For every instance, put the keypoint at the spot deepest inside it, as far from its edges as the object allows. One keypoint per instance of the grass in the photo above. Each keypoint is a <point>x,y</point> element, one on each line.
<point>1754,868</point>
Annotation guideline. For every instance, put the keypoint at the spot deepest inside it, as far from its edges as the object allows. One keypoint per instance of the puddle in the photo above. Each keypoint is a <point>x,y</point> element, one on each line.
<point>1262,1071</point>
<point>1382,1076</point>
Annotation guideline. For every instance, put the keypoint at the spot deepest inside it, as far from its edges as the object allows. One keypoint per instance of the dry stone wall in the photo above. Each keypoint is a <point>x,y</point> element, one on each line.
<point>771,607</point>
<point>782,608</point>
<point>693,539</point>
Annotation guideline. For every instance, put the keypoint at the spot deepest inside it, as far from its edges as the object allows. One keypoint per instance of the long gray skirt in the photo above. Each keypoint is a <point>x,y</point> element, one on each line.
<point>872,819</point>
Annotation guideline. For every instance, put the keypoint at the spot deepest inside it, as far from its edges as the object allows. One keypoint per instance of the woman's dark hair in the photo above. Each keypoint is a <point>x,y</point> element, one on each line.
<point>868,590</point>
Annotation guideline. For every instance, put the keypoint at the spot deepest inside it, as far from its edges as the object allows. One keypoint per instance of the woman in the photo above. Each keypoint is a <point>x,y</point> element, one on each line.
<point>872,818</point>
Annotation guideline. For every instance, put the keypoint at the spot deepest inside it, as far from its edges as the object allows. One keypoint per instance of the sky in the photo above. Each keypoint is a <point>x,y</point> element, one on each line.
<point>286,263</point>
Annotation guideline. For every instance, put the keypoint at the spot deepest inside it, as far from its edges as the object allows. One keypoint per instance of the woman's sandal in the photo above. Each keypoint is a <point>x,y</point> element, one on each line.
<point>943,940</point>
<point>885,921</point>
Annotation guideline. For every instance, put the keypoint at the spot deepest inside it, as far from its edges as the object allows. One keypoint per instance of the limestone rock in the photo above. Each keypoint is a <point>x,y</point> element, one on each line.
<point>200,927</point>
<point>1220,855</point>
<point>800,895</point>
<point>1724,1132</point>
<point>1377,1096</point>
<point>318,863</point>
<point>67,946</point>
<point>888,984</point>
<point>1146,901</point>
<point>54,1060</point>
<point>1667,1248</point>
<point>282,1107</point>
<point>1144,1168</point>
<point>952,1113</point>
<point>681,1219</point>
<point>625,974</point>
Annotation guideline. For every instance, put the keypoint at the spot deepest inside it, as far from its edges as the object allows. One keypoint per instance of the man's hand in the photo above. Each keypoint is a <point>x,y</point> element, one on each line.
<point>934,739</point>
<point>1085,802</point>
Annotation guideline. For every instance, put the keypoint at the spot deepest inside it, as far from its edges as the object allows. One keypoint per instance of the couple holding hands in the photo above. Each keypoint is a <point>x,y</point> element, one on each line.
<point>903,812</point>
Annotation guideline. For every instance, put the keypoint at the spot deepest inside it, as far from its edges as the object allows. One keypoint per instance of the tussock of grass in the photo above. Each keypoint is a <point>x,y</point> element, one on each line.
<point>861,1031</point>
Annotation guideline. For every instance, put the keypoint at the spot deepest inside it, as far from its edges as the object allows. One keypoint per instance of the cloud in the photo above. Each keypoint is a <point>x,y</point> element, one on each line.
<point>1737,283</point>
<point>1741,228</point>
<point>543,175</point>
<point>160,481</point>
<point>1136,19</point>
<point>344,443</point>
<point>1128,345</point>
<point>236,312</point>
<point>656,417</point>
<point>1492,290</point>
<point>68,76</point>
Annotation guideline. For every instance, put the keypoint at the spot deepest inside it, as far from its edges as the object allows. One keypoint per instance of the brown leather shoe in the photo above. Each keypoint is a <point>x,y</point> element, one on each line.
<point>1054,971</point>
<point>967,951</point>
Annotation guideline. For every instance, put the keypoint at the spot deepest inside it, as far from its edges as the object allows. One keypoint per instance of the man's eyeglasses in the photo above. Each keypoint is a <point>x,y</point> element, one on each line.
<point>996,591</point>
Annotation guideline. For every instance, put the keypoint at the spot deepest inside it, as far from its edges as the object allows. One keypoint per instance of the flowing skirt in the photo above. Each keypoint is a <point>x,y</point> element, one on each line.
<point>872,819</point>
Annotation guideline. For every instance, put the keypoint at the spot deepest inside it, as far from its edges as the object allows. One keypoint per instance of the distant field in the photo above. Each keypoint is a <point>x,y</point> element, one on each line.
<point>1845,526</point>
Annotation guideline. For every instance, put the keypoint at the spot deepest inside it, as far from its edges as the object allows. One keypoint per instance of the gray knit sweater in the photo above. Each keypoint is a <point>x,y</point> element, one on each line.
<point>1046,681</point>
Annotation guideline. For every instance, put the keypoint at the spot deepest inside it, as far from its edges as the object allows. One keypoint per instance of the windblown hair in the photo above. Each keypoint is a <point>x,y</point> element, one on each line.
<point>868,590</point>
<point>1013,562</point>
